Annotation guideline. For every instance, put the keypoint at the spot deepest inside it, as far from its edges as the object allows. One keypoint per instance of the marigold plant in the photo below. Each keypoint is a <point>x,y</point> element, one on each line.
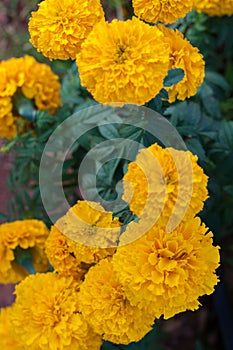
<point>133,249</point>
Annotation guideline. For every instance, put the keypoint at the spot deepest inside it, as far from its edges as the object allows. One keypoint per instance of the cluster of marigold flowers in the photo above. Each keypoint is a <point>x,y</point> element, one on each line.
<point>119,62</point>
<point>123,61</point>
<point>112,281</point>
<point>34,81</point>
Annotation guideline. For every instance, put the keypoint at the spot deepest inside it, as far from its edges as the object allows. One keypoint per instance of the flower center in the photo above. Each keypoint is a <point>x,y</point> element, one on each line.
<point>121,54</point>
<point>92,230</point>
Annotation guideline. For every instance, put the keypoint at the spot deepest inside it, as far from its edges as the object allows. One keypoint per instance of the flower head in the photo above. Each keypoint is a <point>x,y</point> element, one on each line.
<point>17,239</point>
<point>7,121</point>
<point>81,238</point>
<point>214,7</point>
<point>167,272</point>
<point>165,184</point>
<point>167,11</point>
<point>58,28</point>
<point>7,342</point>
<point>184,55</point>
<point>120,62</point>
<point>34,81</point>
<point>46,315</point>
<point>104,304</point>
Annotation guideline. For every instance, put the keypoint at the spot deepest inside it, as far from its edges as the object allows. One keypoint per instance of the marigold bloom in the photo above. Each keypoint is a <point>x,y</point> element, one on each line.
<point>214,7</point>
<point>61,255</point>
<point>123,62</point>
<point>35,81</point>
<point>104,304</point>
<point>167,184</point>
<point>81,238</point>
<point>27,235</point>
<point>89,224</point>
<point>7,121</point>
<point>167,11</point>
<point>58,28</point>
<point>184,55</point>
<point>7,342</point>
<point>167,272</point>
<point>46,315</point>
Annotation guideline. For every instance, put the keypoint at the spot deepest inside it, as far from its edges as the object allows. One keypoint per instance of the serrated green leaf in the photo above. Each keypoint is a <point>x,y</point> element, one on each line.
<point>196,148</point>
<point>109,131</point>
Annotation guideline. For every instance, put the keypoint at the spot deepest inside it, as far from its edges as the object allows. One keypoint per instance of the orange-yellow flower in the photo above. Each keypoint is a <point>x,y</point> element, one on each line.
<point>124,62</point>
<point>165,184</point>
<point>184,55</point>
<point>167,272</point>
<point>82,237</point>
<point>214,7</point>
<point>7,121</point>
<point>7,342</point>
<point>19,237</point>
<point>34,81</point>
<point>46,315</point>
<point>104,304</point>
<point>167,11</point>
<point>58,28</point>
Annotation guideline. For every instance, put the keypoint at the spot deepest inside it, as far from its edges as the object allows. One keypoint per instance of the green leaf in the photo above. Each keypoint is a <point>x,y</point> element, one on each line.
<point>226,133</point>
<point>23,257</point>
<point>109,131</point>
<point>216,79</point>
<point>196,148</point>
<point>229,189</point>
<point>24,107</point>
<point>187,130</point>
<point>174,76</point>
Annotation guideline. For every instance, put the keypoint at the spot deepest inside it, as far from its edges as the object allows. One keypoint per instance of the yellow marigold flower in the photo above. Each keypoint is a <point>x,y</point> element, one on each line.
<point>88,223</point>
<point>7,342</point>
<point>7,121</point>
<point>214,7</point>
<point>58,28</point>
<point>165,184</point>
<point>184,55</point>
<point>120,62</point>
<point>46,315</point>
<point>61,255</point>
<point>27,235</point>
<point>7,86</point>
<point>35,81</point>
<point>167,272</point>
<point>104,304</point>
<point>167,11</point>
<point>81,238</point>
